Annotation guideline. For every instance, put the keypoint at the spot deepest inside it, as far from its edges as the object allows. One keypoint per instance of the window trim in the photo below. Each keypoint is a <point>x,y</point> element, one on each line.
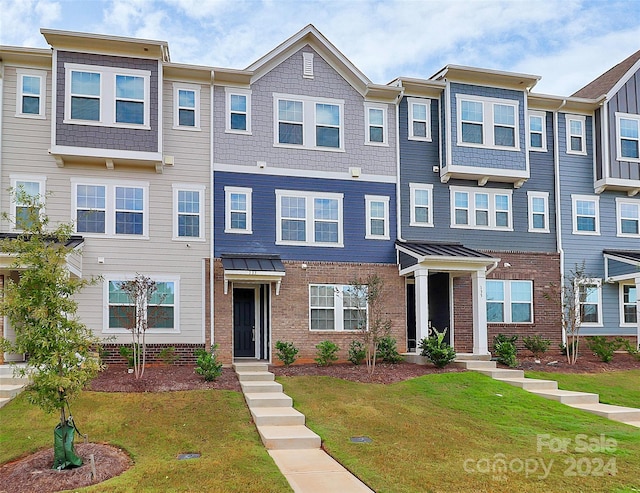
<point>598,283</point>
<point>188,187</point>
<point>369,199</point>
<point>583,122</point>
<point>488,123</point>
<point>41,180</point>
<point>619,202</point>
<point>626,116</point>
<point>545,197</point>
<point>367,124</point>
<point>587,198</point>
<point>413,187</point>
<point>543,117</point>
<point>338,307</point>
<point>236,91</point>
<point>40,74</point>
<point>471,193</point>
<point>195,88</point>
<point>507,302</point>
<point>621,303</point>
<point>410,119</point>
<point>227,210</point>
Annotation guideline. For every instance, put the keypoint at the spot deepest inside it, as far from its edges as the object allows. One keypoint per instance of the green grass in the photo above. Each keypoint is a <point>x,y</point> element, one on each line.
<point>621,388</point>
<point>154,428</point>
<point>427,429</point>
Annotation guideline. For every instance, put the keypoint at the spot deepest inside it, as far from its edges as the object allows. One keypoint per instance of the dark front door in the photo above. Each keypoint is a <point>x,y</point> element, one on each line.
<point>244,319</point>
<point>439,303</point>
<point>411,317</point>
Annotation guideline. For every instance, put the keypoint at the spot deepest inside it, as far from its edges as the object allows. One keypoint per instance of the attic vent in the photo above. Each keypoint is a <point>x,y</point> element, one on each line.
<point>308,65</point>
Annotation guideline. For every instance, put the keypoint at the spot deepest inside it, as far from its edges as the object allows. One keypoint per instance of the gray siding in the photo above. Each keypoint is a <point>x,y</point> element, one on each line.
<point>626,100</point>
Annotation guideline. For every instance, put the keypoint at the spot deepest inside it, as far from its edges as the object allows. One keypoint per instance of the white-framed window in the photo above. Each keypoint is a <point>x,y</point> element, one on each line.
<point>107,96</point>
<point>509,302</point>
<point>111,208</point>
<point>421,197</point>
<point>31,93</point>
<point>576,134</point>
<point>628,214</point>
<point>377,210</point>
<point>33,187</point>
<point>336,308</point>
<point>586,214</point>
<point>488,122</point>
<point>312,123</point>
<point>419,119</point>
<point>161,311</point>
<point>628,304</point>
<point>628,137</point>
<point>537,131</point>
<point>538,212</point>
<point>186,106</point>
<point>375,124</point>
<point>238,110</point>
<point>188,211</point>
<point>589,293</point>
<point>238,209</point>
<point>309,218</point>
<point>486,209</point>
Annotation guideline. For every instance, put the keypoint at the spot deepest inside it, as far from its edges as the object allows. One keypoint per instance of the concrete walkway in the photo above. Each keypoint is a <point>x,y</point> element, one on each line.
<point>294,448</point>
<point>10,385</point>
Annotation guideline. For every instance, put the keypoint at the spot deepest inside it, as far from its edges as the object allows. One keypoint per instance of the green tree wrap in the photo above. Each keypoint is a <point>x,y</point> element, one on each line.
<point>64,455</point>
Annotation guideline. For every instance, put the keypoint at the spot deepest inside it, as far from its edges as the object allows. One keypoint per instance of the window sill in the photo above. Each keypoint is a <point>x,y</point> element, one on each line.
<point>376,237</point>
<point>239,231</point>
<point>187,128</point>
<point>186,239</point>
<point>533,230</point>
<point>309,244</point>
<point>577,153</point>
<point>538,149</point>
<point>586,233</point>
<point>93,123</point>
<point>30,116</point>
<point>238,132</point>
<point>420,139</point>
<point>483,228</point>
<point>485,146</point>
<point>309,148</point>
<point>377,144</point>
<point>421,225</point>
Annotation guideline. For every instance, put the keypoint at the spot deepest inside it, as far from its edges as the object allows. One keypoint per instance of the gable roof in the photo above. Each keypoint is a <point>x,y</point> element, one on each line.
<point>607,81</point>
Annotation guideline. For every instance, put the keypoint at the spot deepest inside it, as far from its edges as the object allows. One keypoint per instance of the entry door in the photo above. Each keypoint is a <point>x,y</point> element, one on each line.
<point>439,303</point>
<point>411,317</point>
<point>244,320</point>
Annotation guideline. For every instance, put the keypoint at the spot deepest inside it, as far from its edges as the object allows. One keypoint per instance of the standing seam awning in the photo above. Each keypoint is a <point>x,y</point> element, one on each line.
<point>252,268</point>
<point>451,254</point>
<point>620,265</point>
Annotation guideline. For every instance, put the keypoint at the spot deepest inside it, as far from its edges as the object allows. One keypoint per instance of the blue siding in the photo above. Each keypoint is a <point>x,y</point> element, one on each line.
<point>626,100</point>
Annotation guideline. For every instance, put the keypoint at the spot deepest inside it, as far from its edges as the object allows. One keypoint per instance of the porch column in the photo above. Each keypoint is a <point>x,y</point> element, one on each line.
<point>637,280</point>
<point>422,305</point>
<point>479,301</point>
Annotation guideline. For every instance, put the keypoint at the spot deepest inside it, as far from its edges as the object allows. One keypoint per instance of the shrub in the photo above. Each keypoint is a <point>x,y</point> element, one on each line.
<point>436,350</point>
<point>207,364</point>
<point>168,355</point>
<point>387,351</point>
<point>286,352</point>
<point>127,353</point>
<point>563,348</point>
<point>536,344</point>
<point>356,353</point>
<point>327,353</point>
<point>626,345</point>
<point>603,348</point>
<point>506,350</point>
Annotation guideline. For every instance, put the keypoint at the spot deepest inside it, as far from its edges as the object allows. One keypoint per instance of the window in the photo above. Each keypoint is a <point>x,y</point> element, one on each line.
<point>628,213</point>
<point>586,215</point>
<point>112,209</point>
<point>628,304</point>
<point>237,210</point>
<point>628,128</point>
<point>537,131</point>
<point>160,311</point>
<point>186,107</point>
<point>509,302</point>
<point>419,119</point>
<point>107,96</point>
<point>589,302</point>
<point>238,114</point>
<point>31,187</point>
<point>306,218</point>
<point>420,202</point>
<point>376,124</point>
<point>538,212</point>
<point>314,123</point>
<point>188,206</point>
<point>377,208</point>
<point>30,92</point>
<point>487,209</point>
<point>336,308</point>
<point>488,122</point>
<point>576,135</point>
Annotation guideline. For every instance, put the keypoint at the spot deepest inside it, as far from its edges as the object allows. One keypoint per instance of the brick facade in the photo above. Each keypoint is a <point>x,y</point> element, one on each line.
<point>185,353</point>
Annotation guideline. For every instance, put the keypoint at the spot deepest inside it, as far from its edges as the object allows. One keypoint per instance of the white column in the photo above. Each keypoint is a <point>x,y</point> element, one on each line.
<point>637,312</point>
<point>479,300</point>
<point>422,304</point>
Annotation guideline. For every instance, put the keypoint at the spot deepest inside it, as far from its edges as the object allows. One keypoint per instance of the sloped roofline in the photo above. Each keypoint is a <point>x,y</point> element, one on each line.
<point>602,86</point>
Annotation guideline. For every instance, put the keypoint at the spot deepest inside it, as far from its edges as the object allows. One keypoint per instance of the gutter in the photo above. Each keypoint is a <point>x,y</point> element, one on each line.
<point>556,164</point>
<point>211,212</point>
<point>398,201</point>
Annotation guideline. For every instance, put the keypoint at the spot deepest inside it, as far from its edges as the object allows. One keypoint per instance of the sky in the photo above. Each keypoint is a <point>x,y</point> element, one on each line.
<point>566,42</point>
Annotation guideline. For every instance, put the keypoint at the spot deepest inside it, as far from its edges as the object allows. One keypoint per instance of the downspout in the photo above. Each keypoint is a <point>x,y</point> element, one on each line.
<point>556,162</point>
<point>211,209</point>
<point>1,105</point>
<point>398,191</point>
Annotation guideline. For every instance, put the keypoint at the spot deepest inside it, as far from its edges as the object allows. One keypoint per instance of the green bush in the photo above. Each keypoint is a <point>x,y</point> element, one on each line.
<point>506,349</point>
<point>286,352</point>
<point>563,348</point>
<point>603,348</point>
<point>207,364</point>
<point>356,353</point>
<point>127,353</point>
<point>536,344</point>
<point>387,351</point>
<point>629,348</point>
<point>327,353</point>
<point>168,355</point>
<point>436,350</point>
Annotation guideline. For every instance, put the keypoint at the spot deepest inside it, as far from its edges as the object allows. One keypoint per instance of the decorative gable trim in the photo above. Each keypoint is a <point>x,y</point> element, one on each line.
<point>307,65</point>
<point>623,80</point>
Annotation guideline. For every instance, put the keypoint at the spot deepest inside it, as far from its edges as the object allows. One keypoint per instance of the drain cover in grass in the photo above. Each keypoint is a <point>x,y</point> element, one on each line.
<point>361,440</point>
<point>188,456</point>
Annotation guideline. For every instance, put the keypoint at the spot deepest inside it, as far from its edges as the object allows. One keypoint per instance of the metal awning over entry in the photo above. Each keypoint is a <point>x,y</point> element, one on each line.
<point>443,256</point>
<point>252,268</point>
<point>621,265</point>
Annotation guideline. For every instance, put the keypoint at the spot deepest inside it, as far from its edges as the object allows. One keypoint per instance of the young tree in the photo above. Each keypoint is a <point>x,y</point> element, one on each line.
<point>41,308</point>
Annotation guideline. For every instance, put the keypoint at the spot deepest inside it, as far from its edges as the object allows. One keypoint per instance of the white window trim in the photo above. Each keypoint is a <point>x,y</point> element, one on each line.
<point>488,136</point>
<point>42,75</point>
<point>308,122</point>
<point>410,119</point>
<point>413,187</point>
<point>545,197</point>
<point>188,187</point>
<point>583,120</point>
<point>227,210</point>
<point>598,283</point>
<point>309,219</point>
<point>507,302</point>
<point>231,91</point>
<point>367,124</point>
<point>40,180</point>
<point>543,116</point>
<point>625,116</point>
<point>110,207</point>
<point>127,277</point>
<point>107,95</point>
<point>619,202</point>
<point>491,192</point>
<point>574,216</point>
<point>621,303</point>
<point>368,199</point>
<point>338,307</point>
<point>177,86</point>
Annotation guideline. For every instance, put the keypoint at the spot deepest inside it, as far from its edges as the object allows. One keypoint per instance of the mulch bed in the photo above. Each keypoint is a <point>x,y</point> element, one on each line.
<point>587,362</point>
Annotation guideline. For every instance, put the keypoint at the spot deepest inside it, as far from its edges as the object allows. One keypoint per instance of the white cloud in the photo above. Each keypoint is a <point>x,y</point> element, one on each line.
<point>20,21</point>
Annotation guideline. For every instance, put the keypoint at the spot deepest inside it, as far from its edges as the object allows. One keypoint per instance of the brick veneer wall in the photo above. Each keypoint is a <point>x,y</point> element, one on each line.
<point>1,319</point>
<point>185,353</point>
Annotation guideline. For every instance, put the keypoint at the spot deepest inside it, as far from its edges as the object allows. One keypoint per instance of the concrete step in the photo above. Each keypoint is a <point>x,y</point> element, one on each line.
<point>568,396</point>
<point>14,381</point>
<point>10,390</point>
<point>530,383</point>
<point>277,416</point>
<point>268,399</point>
<point>630,423</point>
<point>256,376</point>
<point>250,367</point>
<point>614,413</point>
<point>4,400</point>
<point>500,372</point>
<point>472,357</point>
<point>255,387</point>
<point>415,358</point>
<point>288,437</point>
<point>474,364</point>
